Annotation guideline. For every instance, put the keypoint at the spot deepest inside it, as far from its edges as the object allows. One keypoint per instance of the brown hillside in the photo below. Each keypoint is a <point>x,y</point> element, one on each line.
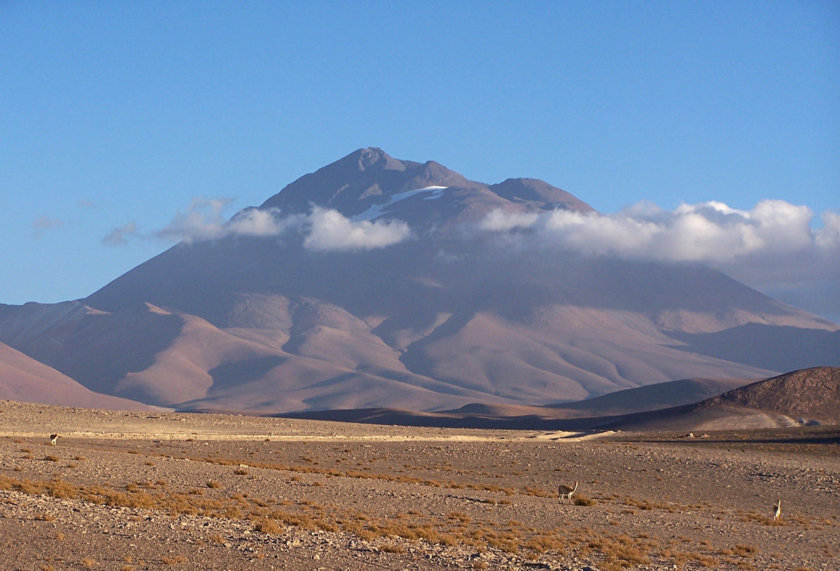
<point>454,312</point>
<point>25,379</point>
<point>812,394</point>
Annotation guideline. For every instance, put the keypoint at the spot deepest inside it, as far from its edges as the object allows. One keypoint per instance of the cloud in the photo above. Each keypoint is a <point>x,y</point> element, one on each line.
<point>203,221</point>
<point>330,230</point>
<point>322,229</point>
<point>44,223</point>
<point>256,222</point>
<point>829,237</point>
<point>707,232</point>
<point>774,247</point>
<point>119,236</point>
<point>499,220</point>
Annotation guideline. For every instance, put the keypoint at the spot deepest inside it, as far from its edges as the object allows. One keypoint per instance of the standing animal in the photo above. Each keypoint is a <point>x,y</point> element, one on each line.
<point>777,513</point>
<point>567,491</point>
<point>53,439</point>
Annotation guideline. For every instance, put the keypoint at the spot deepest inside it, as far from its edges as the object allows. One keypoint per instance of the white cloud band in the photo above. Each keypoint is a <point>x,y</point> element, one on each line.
<point>707,232</point>
<point>330,230</point>
<point>774,247</point>
<point>323,229</point>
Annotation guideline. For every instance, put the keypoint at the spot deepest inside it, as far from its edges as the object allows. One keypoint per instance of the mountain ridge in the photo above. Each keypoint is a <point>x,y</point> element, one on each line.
<point>354,182</point>
<point>426,309</point>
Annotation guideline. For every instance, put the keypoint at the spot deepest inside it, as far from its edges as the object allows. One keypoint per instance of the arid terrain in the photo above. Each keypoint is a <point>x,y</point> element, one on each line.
<point>467,300</point>
<point>149,490</point>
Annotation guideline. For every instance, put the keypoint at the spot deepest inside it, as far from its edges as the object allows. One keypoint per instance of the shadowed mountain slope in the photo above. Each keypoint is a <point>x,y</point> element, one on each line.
<point>807,395</point>
<point>576,415</point>
<point>812,394</point>
<point>653,397</point>
<point>25,379</point>
<point>373,282</point>
<point>757,344</point>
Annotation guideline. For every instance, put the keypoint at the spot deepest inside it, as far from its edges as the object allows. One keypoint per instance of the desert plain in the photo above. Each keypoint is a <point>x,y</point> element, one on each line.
<point>165,490</point>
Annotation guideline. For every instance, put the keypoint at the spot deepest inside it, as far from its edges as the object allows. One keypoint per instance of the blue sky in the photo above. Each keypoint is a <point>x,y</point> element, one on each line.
<point>117,116</point>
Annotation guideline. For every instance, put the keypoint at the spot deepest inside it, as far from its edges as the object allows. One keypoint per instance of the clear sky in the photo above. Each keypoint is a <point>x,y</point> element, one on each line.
<point>116,116</point>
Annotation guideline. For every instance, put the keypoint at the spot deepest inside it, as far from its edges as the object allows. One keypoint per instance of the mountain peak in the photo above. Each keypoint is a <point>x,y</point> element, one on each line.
<point>539,193</point>
<point>368,159</point>
<point>407,303</point>
<point>355,182</point>
<point>373,158</point>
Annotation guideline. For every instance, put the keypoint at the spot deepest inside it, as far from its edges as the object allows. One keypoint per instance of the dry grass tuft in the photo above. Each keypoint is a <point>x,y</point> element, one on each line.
<point>45,517</point>
<point>61,489</point>
<point>392,548</point>
<point>268,526</point>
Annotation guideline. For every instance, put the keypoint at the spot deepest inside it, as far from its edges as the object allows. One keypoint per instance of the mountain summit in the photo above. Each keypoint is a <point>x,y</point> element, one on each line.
<point>379,282</point>
<point>369,179</point>
<point>363,178</point>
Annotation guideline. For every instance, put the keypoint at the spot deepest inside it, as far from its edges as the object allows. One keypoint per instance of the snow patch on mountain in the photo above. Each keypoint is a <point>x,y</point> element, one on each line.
<point>377,210</point>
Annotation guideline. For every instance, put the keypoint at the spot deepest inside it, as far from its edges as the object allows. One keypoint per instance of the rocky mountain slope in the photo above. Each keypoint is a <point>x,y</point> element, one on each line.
<point>377,282</point>
<point>807,396</point>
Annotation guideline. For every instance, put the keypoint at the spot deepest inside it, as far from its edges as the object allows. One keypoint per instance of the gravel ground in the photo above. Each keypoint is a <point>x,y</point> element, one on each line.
<point>127,490</point>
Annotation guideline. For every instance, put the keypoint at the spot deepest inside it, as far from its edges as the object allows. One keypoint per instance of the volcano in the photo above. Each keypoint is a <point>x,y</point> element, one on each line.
<point>378,282</point>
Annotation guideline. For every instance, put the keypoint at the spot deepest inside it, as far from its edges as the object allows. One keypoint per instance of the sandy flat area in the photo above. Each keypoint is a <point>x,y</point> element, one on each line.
<point>139,490</point>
